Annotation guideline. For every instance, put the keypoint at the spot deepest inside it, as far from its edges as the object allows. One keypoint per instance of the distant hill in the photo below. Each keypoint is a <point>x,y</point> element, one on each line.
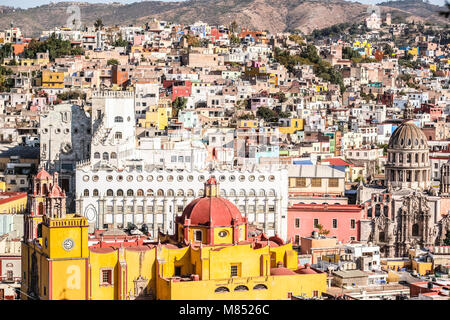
<point>272,15</point>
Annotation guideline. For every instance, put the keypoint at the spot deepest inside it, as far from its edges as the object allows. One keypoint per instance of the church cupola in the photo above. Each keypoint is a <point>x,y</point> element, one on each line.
<point>211,188</point>
<point>211,220</point>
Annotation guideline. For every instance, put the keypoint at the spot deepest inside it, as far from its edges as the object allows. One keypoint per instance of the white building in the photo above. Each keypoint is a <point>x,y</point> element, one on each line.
<point>142,194</point>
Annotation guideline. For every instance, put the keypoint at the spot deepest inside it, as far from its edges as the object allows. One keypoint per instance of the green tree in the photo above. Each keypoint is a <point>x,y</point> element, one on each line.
<point>112,62</point>
<point>234,26</point>
<point>179,104</point>
<point>447,238</point>
<point>120,42</point>
<point>267,114</point>
<point>98,24</point>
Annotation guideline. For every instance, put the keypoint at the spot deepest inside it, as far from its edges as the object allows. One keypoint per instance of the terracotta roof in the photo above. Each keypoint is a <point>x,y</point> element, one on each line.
<point>281,271</point>
<point>43,175</point>
<point>212,211</point>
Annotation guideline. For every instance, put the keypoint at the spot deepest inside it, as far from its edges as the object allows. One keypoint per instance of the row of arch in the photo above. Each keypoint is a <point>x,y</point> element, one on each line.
<point>410,158</point>
<point>179,193</point>
<point>106,155</point>
<point>241,288</point>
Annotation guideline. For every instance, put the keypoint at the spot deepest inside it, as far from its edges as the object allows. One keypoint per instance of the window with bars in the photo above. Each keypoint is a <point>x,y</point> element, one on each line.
<point>180,209</point>
<point>106,275</point>
<point>261,208</point>
<point>119,208</point>
<point>333,182</point>
<point>234,270</point>
<point>150,209</point>
<point>297,223</point>
<point>130,209</point>
<point>251,209</point>
<point>271,208</point>
<point>140,209</point>
<point>353,224</point>
<point>297,239</point>
<point>316,182</point>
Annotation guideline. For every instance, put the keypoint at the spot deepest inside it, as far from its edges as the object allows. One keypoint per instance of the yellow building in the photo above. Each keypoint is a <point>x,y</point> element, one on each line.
<point>247,124</point>
<point>13,202</point>
<point>157,117</point>
<point>52,79</point>
<point>210,257</point>
<point>291,125</point>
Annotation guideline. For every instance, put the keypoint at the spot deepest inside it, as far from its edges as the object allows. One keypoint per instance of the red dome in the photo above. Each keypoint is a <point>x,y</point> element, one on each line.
<point>306,270</point>
<point>213,212</point>
<point>281,271</point>
<point>43,175</point>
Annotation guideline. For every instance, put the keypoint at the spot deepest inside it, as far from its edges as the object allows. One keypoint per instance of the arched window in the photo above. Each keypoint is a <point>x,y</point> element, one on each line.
<point>119,193</point>
<point>190,193</point>
<point>415,230</point>
<point>423,157</point>
<point>118,135</point>
<point>86,193</point>
<point>95,193</point>
<point>223,193</point>
<point>140,193</point>
<point>272,193</point>
<point>400,156</point>
<point>381,237</point>
<point>386,211</point>
<point>118,119</point>
<point>160,193</point>
<point>130,193</point>
<point>109,193</point>
<point>200,193</point>
<point>113,155</point>
<point>377,210</point>
<point>149,193</point>
<point>241,288</point>
<point>105,156</point>
<point>408,158</point>
<point>261,193</point>
<point>252,192</point>
<point>242,193</point>
<point>232,192</point>
<point>369,212</point>
<point>97,155</point>
<point>180,193</point>
<point>260,287</point>
<point>170,193</point>
<point>221,289</point>
<point>417,158</point>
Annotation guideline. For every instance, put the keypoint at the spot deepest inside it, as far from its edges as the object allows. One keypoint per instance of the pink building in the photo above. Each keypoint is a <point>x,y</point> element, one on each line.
<point>342,221</point>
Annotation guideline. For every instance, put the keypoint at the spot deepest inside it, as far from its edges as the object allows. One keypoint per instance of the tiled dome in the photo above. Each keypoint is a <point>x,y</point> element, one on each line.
<point>408,136</point>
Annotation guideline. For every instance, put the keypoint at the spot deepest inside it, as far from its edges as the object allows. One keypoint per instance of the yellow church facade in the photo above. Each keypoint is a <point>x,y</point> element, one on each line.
<point>68,263</point>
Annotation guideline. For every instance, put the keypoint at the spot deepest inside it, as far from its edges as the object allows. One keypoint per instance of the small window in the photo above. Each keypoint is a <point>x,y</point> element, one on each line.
<point>198,235</point>
<point>234,271</point>
<point>316,182</point>
<point>316,223</point>
<point>335,224</point>
<point>106,277</point>
<point>352,224</point>
<point>118,119</point>
<point>297,223</point>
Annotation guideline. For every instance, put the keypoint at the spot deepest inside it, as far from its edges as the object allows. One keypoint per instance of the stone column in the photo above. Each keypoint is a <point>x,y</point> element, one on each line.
<point>165,215</point>
<point>114,212</point>
<point>155,224</point>
<point>101,212</point>
<point>246,207</point>
<point>134,209</point>
<point>266,212</point>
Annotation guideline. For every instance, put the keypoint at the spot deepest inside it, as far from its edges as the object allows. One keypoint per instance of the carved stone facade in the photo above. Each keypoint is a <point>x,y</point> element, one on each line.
<point>65,137</point>
<point>407,213</point>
